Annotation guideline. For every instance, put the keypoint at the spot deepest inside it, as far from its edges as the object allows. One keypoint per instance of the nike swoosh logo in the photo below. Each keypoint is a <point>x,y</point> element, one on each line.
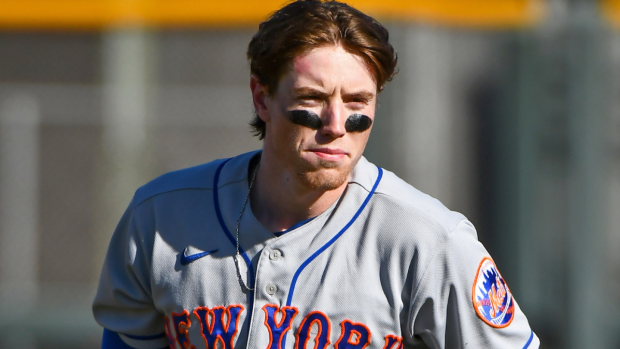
<point>185,259</point>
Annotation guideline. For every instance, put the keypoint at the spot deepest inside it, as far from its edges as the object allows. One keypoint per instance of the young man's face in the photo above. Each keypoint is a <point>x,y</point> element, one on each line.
<point>306,119</point>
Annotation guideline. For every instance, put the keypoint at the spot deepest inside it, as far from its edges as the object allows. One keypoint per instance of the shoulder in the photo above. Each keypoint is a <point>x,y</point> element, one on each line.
<point>400,194</point>
<point>406,205</point>
<point>201,177</point>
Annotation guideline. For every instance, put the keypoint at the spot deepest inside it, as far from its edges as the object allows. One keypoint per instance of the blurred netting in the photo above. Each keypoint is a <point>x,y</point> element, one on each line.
<point>518,129</point>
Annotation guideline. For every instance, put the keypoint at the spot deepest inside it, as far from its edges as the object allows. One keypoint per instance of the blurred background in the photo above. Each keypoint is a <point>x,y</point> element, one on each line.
<point>505,110</point>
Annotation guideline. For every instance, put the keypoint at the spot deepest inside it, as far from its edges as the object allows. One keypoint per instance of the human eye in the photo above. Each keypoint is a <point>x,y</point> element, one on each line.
<point>309,99</point>
<point>357,104</point>
<point>358,101</point>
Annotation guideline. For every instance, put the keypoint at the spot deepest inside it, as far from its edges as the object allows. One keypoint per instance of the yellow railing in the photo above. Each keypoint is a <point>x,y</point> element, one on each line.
<point>98,14</point>
<point>611,10</point>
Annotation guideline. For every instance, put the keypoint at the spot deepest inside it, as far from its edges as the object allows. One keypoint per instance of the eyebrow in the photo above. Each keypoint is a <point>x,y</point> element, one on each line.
<point>363,95</point>
<point>309,91</point>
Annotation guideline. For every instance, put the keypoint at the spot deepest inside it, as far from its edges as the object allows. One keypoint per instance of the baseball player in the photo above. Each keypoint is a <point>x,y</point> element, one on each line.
<point>303,244</point>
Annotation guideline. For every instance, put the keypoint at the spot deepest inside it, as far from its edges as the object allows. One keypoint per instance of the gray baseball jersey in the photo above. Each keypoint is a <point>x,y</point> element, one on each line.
<point>386,266</point>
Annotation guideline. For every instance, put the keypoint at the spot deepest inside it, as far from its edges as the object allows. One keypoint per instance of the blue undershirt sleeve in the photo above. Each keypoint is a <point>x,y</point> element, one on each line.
<point>111,340</point>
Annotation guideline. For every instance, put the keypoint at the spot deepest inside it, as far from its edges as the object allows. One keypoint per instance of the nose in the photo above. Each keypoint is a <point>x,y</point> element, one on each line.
<point>334,118</point>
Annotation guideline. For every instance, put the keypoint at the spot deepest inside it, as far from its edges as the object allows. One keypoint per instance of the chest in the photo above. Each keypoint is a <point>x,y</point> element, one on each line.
<point>308,290</point>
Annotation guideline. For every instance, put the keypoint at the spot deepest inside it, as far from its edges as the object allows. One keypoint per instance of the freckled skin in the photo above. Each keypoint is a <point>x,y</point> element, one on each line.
<point>305,168</point>
<point>354,123</point>
<point>333,84</point>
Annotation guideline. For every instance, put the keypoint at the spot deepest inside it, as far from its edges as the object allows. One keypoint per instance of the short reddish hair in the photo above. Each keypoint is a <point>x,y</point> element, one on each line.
<point>304,25</point>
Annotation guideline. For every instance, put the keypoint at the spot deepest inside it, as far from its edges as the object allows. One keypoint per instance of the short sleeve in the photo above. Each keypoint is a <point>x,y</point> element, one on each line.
<point>462,300</point>
<point>123,303</point>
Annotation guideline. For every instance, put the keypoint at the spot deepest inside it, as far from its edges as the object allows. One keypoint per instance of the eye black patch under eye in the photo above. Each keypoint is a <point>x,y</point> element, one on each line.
<point>305,118</point>
<point>357,123</point>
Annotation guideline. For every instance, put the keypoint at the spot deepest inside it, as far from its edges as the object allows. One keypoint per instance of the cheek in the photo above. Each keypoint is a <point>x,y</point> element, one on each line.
<point>359,140</point>
<point>289,136</point>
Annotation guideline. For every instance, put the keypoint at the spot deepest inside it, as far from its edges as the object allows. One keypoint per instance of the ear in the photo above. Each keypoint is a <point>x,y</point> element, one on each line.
<point>259,96</point>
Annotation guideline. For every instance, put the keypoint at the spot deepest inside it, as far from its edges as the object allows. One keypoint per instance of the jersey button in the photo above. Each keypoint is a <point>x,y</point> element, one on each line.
<point>271,289</point>
<point>275,255</point>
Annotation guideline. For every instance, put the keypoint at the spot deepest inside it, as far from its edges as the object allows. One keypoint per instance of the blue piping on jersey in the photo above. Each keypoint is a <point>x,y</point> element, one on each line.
<point>218,212</point>
<point>330,242</point>
<point>529,341</point>
<point>280,233</point>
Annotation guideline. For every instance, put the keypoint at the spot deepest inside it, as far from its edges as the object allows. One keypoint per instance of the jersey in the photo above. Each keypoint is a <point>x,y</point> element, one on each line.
<point>385,267</point>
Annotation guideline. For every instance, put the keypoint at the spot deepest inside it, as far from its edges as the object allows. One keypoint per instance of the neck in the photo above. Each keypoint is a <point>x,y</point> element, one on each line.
<point>279,200</point>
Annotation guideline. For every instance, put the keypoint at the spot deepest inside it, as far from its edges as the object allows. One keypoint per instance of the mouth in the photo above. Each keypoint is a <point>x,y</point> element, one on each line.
<point>330,154</point>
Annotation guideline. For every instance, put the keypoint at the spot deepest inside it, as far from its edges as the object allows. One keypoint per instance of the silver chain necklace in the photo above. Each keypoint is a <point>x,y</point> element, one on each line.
<point>247,197</point>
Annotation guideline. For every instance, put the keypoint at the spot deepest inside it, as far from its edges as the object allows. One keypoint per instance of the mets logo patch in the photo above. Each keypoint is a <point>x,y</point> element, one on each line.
<point>491,297</point>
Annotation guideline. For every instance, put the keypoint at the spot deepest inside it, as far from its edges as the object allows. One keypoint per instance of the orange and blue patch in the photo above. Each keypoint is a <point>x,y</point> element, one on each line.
<point>491,297</point>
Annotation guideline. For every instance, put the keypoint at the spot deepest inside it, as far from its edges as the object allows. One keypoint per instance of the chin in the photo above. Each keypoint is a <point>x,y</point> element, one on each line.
<point>326,178</point>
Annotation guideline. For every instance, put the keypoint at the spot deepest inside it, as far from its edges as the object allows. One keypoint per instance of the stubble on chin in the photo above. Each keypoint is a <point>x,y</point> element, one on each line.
<point>328,176</point>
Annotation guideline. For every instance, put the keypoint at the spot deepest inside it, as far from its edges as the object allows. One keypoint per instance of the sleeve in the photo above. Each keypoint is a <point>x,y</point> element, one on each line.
<point>462,300</point>
<point>113,340</point>
<point>123,304</point>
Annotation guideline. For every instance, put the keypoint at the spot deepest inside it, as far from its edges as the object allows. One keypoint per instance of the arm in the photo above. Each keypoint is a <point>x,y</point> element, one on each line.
<point>113,340</point>
<point>463,301</point>
<point>123,304</point>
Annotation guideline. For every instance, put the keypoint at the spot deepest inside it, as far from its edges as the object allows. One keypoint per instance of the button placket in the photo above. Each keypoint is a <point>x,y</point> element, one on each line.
<point>271,289</point>
<point>275,255</point>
